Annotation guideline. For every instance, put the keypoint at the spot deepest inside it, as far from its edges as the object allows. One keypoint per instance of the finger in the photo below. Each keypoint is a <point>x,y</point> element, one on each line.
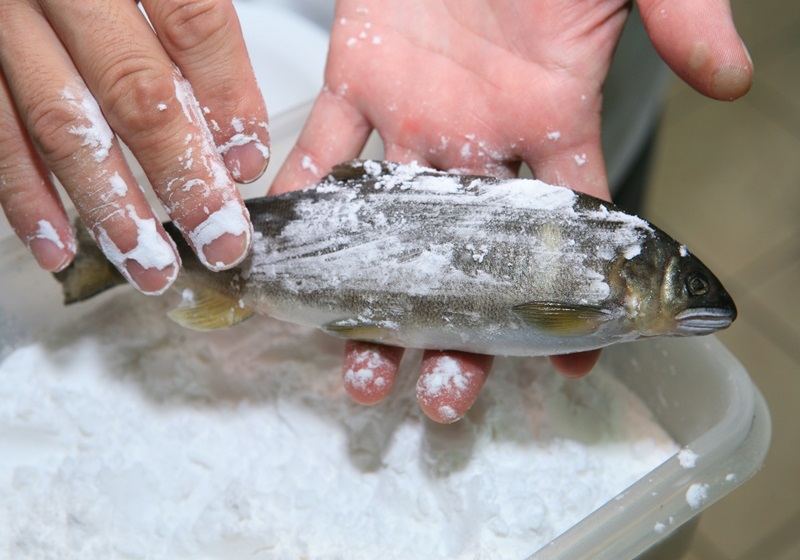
<point>68,130</point>
<point>574,366</point>
<point>573,158</point>
<point>401,154</point>
<point>502,169</point>
<point>27,194</point>
<point>450,382</point>
<point>369,370</point>
<point>334,132</point>
<point>698,40</point>
<point>154,110</point>
<point>205,41</point>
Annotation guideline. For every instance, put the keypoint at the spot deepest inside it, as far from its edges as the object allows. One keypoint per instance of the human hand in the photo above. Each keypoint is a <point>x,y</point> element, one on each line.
<point>478,87</point>
<point>184,99</point>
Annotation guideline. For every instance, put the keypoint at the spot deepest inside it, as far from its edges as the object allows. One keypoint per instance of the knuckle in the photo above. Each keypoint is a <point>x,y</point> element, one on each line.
<point>185,24</point>
<point>134,94</point>
<point>50,121</point>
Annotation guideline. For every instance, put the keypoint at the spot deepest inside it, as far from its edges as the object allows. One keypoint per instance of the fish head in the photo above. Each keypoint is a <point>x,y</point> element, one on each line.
<point>693,300</point>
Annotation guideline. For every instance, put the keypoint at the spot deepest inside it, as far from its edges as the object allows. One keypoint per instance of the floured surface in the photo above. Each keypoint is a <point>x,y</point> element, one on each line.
<point>413,257</point>
<point>139,439</point>
<point>431,233</point>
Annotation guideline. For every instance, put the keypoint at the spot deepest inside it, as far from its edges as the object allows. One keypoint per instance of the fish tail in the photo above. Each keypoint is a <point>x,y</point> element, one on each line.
<point>90,273</point>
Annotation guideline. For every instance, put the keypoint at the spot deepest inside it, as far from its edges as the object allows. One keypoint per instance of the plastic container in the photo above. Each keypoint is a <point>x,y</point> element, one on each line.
<point>706,401</point>
<point>696,389</point>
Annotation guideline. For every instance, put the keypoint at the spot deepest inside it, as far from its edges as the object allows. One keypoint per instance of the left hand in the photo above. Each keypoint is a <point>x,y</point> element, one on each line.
<point>480,86</point>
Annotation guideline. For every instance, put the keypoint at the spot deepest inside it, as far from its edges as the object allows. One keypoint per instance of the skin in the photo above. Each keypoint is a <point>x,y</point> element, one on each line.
<point>60,58</point>
<point>474,85</point>
<point>482,85</point>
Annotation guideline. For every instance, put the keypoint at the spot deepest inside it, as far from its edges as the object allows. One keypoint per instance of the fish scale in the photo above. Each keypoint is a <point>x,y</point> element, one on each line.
<point>415,257</point>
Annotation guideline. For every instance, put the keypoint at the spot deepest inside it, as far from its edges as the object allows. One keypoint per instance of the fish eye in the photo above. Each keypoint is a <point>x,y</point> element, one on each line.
<point>697,284</point>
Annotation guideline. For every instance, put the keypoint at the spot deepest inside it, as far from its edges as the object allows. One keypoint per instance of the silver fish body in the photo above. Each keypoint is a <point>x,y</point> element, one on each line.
<point>418,258</point>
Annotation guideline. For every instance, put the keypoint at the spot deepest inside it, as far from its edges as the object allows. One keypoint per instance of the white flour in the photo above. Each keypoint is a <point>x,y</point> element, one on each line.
<point>125,436</point>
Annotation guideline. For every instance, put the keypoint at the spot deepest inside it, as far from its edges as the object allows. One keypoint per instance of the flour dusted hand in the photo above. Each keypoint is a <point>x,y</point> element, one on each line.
<point>77,75</point>
<point>480,86</point>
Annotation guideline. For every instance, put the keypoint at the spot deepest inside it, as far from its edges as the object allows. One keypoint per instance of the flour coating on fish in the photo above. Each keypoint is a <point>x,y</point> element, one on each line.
<point>420,228</point>
<point>410,256</point>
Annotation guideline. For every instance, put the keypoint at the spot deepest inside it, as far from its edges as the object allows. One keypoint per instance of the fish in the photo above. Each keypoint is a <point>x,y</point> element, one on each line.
<point>405,255</point>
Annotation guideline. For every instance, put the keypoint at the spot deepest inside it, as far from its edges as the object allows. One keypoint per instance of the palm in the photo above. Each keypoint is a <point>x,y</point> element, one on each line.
<point>447,87</point>
<point>479,86</point>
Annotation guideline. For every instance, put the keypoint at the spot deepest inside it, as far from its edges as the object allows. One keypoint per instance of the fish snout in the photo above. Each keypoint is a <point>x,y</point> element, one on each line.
<point>704,320</point>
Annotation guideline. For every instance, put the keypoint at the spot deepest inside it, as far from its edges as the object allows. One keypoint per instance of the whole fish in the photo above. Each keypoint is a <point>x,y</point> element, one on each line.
<point>410,256</point>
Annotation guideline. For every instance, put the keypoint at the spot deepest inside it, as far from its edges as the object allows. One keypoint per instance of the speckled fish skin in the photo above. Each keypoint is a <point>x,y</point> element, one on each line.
<point>413,257</point>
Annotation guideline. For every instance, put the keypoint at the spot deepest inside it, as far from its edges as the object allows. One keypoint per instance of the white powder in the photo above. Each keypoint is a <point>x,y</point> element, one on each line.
<point>687,458</point>
<point>127,436</point>
<point>47,231</point>
<point>95,133</point>
<point>240,139</point>
<point>208,155</point>
<point>567,252</point>
<point>447,376</point>
<point>308,164</point>
<point>696,495</point>
<point>364,372</point>
<point>228,219</point>
<point>118,186</point>
<point>151,251</point>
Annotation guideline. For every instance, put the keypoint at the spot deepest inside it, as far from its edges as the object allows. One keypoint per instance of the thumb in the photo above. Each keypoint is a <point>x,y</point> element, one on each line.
<point>698,40</point>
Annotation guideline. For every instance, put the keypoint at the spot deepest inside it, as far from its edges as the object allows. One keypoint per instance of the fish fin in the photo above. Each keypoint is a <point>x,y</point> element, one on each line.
<point>355,169</point>
<point>209,310</point>
<point>564,319</point>
<point>89,273</point>
<point>357,329</point>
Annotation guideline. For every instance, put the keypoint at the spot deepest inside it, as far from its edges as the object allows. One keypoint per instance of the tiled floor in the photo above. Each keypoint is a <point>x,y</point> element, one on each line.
<point>726,181</point>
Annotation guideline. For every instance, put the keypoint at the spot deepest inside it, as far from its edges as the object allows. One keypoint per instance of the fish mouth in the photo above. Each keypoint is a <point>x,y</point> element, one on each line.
<point>704,320</point>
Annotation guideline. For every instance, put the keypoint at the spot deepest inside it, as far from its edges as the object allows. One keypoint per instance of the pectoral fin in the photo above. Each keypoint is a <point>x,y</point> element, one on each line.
<point>358,329</point>
<point>562,319</point>
<point>208,310</point>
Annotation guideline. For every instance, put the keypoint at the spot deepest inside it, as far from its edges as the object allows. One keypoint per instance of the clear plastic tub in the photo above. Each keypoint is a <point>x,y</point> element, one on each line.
<point>696,389</point>
<point>706,401</point>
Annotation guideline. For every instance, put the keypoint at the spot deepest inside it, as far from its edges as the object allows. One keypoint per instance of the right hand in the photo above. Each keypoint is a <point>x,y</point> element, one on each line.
<point>77,73</point>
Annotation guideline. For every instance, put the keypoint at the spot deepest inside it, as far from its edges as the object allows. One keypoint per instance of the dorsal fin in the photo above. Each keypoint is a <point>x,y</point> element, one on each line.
<point>359,169</point>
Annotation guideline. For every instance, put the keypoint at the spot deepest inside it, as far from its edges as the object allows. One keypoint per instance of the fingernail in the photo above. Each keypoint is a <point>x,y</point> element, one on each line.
<point>246,162</point>
<point>449,384</point>
<point>440,388</point>
<point>226,251</point>
<point>151,281</point>
<point>369,370</point>
<point>49,255</point>
<point>151,264</point>
<point>730,82</point>
<point>223,239</point>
